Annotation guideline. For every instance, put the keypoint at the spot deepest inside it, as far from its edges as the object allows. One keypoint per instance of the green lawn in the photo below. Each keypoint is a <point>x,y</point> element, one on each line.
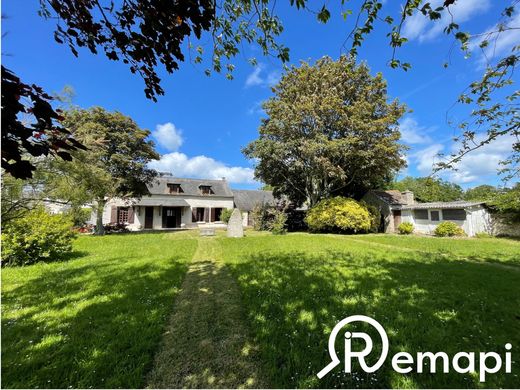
<point>96,319</point>
<point>295,288</point>
<point>92,321</point>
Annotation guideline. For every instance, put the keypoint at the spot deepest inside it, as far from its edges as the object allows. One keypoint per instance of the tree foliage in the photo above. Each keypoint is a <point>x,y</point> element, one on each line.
<point>330,130</point>
<point>507,204</point>
<point>115,164</point>
<point>481,193</point>
<point>146,33</point>
<point>430,189</point>
<point>30,126</point>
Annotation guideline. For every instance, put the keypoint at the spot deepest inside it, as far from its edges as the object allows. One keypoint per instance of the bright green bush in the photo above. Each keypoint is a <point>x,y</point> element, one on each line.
<point>225,215</point>
<point>37,236</point>
<point>339,214</point>
<point>79,215</point>
<point>405,228</point>
<point>278,224</point>
<point>448,229</point>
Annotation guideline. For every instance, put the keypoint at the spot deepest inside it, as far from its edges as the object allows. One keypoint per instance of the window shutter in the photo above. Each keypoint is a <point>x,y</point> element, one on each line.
<point>193,214</point>
<point>113,215</point>
<point>130,215</point>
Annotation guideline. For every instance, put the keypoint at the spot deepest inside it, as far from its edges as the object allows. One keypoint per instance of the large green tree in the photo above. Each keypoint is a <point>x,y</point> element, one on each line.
<point>482,192</point>
<point>115,164</point>
<point>429,189</point>
<point>147,33</point>
<point>330,130</point>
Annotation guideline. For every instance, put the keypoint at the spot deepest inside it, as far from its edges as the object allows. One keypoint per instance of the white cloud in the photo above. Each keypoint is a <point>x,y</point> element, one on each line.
<point>479,166</point>
<point>179,164</point>
<point>413,133</point>
<point>168,136</point>
<point>421,28</point>
<point>425,159</point>
<point>257,77</point>
<point>500,43</point>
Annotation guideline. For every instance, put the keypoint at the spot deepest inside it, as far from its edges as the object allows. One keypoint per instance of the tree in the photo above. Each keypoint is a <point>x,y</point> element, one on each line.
<point>428,189</point>
<point>115,164</point>
<point>329,131</point>
<point>147,32</point>
<point>482,192</point>
<point>30,127</point>
<point>507,204</point>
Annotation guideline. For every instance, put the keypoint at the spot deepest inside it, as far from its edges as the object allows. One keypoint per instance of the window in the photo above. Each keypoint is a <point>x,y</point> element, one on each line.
<point>435,215</point>
<point>206,190</point>
<point>175,188</point>
<point>198,214</point>
<point>217,212</point>
<point>454,214</point>
<point>420,214</point>
<point>122,215</point>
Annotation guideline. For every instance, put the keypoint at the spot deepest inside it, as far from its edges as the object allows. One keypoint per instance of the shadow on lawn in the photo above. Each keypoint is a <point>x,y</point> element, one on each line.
<point>94,325</point>
<point>424,302</point>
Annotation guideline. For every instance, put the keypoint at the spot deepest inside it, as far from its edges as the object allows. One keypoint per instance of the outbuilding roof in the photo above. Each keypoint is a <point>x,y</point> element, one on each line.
<point>247,200</point>
<point>190,186</point>
<point>459,204</point>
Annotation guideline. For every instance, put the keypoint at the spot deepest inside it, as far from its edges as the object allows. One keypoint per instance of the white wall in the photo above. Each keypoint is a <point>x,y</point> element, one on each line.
<point>477,221</point>
<point>187,203</point>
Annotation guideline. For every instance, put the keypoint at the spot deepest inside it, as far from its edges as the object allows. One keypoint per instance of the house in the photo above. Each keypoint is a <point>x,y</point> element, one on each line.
<point>397,207</point>
<point>181,203</point>
<point>247,200</point>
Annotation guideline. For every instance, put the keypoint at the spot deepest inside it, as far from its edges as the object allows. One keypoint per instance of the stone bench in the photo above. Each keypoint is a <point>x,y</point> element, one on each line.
<point>207,231</point>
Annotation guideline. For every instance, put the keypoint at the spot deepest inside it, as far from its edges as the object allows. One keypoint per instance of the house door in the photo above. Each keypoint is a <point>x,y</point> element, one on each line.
<point>148,217</point>
<point>397,218</point>
<point>171,217</point>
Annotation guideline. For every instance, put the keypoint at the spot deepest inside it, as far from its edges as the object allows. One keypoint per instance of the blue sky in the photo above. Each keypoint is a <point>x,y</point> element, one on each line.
<point>202,122</point>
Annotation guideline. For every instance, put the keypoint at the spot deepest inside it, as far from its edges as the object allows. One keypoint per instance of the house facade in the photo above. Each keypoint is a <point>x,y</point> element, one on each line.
<point>397,207</point>
<point>178,203</point>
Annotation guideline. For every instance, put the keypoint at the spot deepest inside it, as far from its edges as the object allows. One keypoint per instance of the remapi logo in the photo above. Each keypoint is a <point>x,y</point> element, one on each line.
<point>359,345</point>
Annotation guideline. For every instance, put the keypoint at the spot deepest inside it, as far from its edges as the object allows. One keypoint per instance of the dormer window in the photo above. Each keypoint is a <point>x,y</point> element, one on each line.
<point>174,188</point>
<point>205,190</point>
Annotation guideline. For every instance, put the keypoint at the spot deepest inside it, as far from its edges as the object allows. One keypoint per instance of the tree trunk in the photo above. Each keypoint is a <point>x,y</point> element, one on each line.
<point>100,229</point>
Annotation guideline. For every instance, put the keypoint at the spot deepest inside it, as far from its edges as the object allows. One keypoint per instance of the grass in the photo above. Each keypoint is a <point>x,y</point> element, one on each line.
<point>255,311</point>
<point>296,288</point>
<point>207,342</point>
<point>94,320</point>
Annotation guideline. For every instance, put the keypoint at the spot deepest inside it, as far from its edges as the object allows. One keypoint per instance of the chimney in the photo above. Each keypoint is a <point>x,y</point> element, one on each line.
<point>407,197</point>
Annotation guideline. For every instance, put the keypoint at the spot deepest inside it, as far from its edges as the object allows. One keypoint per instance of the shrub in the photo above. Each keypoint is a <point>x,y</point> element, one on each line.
<point>405,228</point>
<point>262,217</point>
<point>278,223</point>
<point>448,229</point>
<point>225,215</point>
<point>37,236</point>
<point>339,215</point>
<point>115,227</point>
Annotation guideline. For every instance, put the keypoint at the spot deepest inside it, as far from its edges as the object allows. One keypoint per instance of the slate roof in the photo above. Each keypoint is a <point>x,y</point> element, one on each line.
<point>459,204</point>
<point>247,200</point>
<point>391,197</point>
<point>190,186</point>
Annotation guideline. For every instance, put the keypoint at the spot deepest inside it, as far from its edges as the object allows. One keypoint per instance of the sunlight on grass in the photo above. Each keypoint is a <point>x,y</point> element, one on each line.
<point>296,288</point>
<point>94,320</point>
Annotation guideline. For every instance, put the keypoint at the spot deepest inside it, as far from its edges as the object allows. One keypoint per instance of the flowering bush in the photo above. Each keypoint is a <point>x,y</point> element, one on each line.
<point>339,215</point>
<point>448,229</point>
<point>37,236</point>
<point>405,228</point>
